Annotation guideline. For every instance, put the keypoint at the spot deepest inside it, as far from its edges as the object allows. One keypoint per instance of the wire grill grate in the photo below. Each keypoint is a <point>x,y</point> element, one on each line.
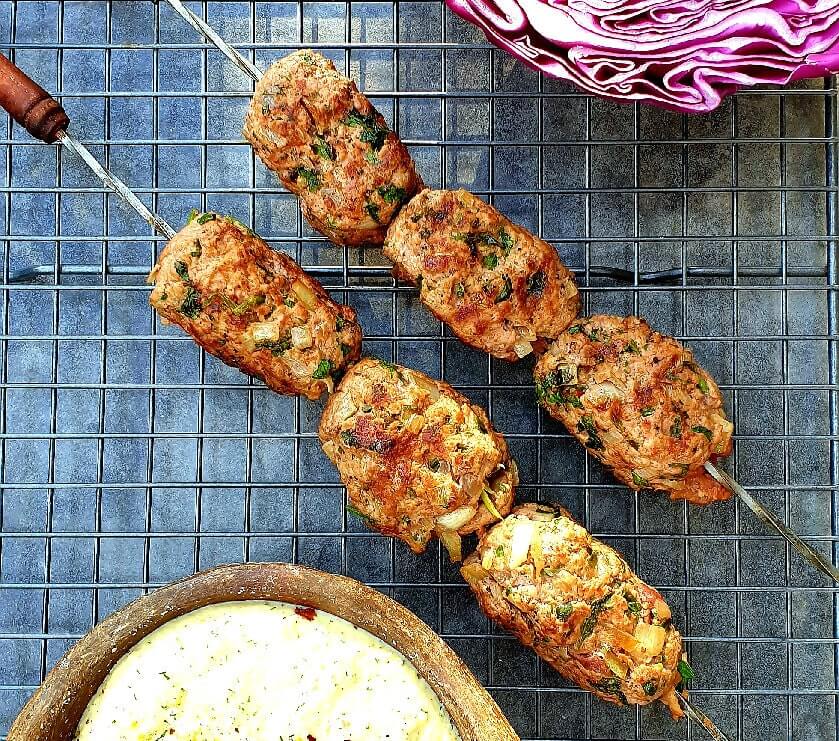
<point>130,459</point>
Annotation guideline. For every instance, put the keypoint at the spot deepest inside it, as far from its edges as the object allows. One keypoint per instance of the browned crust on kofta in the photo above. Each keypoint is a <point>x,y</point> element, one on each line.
<point>330,146</point>
<point>640,403</point>
<point>411,450</point>
<point>252,307</point>
<point>497,286</point>
<point>577,603</point>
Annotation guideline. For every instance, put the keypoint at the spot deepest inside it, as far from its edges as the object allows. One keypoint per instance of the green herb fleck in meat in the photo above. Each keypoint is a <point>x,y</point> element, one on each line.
<point>611,686</point>
<point>650,688</point>
<point>633,607</point>
<point>563,612</point>
<point>357,512</point>
<point>506,290</point>
<point>490,261</point>
<point>345,349</point>
<point>193,214</point>
<point>340,323</point>
<point>556,389</point>
<point>277,347</point>
<point>535,284</point>
<point>289,302</point>
<point>391,367</point>
<point>323,370</point>
<point>323,148</point>
<point>590,622</point>
<point>371,157</point>
<point>685,670</point>
<point>373,210</point>
<point>586,424</point>
<point>676,427</point>
<point>459,290</point>
<point>372,132</point>
<point>349,439</point>
<point>434,465</point>
<point>310,177</point>
<point>391,193</point>
<point>632,347</point>
<point>576,329</point>
<point>191,305</point>
<point>204,218</point>
<point>639,481</point>
<point>505,240</point>
<point>647,411</point>
<point>182,270</point>
<point>700,430</point>
<point>702,385</point>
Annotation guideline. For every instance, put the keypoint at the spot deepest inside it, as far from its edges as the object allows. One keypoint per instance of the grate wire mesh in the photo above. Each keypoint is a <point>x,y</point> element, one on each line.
<point>130,459</point>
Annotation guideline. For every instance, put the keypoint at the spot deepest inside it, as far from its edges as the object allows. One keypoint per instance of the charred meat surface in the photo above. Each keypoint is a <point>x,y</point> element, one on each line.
<point>497,286</point>
<point>252,307</point>
<point>640,404</point>
<point>327,144</point>
<point>577,603</point>
<point>416,456</point>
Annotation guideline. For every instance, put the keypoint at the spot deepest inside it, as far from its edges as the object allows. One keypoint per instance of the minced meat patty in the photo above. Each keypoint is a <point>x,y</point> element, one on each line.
<point>416,456</point>
<point>577,603</point>
<point>252,307</point>
<point>640,404</point>
<point>497,286</point>
<point>330,146</point>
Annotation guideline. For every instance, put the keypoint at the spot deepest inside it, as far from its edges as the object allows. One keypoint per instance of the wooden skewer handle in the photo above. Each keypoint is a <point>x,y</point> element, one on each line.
<point>29,104</point>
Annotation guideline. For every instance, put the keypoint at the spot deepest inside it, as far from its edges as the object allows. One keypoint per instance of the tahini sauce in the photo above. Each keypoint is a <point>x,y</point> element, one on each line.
<point>259,670</point>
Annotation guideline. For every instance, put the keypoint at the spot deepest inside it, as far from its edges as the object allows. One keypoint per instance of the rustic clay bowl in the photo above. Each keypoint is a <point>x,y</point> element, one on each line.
<point>54,710</point>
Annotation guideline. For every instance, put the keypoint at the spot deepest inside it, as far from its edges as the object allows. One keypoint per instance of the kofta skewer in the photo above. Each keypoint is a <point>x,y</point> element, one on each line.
<point>325,141</point>
<point>576,602</point>
<point>250,306</point>
<point>417,458</point>
<point>644,408</point>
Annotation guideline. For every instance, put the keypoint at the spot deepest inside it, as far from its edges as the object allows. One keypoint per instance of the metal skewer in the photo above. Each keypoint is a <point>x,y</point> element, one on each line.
<point>812,556</point>
<point>697,716</point>
<point>44,117</point>
<point>200,25</point>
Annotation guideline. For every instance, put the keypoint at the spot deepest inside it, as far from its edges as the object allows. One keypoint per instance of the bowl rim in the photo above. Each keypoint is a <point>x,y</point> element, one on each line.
<point>54,710</point>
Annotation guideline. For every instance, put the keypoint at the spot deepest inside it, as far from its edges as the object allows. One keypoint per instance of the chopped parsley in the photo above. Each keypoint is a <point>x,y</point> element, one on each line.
<point>323,370</point>
<point>340,323</point>
<point>676,427</point>
<point>373,210</point>
<point>535,284</point>
<point>686,670</point>
<point>632,347</point>
<point>490,261</point>
<point>391,367</point>
<point>633,606</point>
<point>391,193</point>
<point>700,430</point>
<point>349,439</point>
<point>289,302</point>
<point>193,214</point>
<point>372,132</point>
<point>345,349</point>
<point>647,411</point>
<point>588,624</point>
<point>371,157</point>
<point>650,688</point>
<point>563,612</point>
<point>459,290</point>
<point>506,290</point>
<point>639,481</point>
<point>611,686</point>
<point>576,329</point>
<point>323,148</point>
<point>204,218</point>
<point>558,388</point>
<point>505,240</point>
<point>586,424</point>
<point>277,347</point>
<point>434,465</point>
<point>310,177</point>
<point>702,385</point>
<point>191,305</point>
<point>357,512</point>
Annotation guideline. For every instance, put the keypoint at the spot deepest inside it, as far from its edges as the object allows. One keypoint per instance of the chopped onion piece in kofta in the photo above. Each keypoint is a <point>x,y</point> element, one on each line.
<point>417,458</point>
<point>327,144</point>
<point>252,307</point>
<point>577,603</point>
<point>497,286</point>
<point>640,404</point>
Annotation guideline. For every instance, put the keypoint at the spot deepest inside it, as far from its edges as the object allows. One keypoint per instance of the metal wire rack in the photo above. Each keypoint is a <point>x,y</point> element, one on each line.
<point>130,459</point>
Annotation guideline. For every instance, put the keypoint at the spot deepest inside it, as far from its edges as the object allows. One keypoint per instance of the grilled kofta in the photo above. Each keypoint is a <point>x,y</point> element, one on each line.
<point>252,307</point>
<point>640,404</point>
<point>330,146</point>
<point>574,600</point>
<point>417,458</point>
<point>497,286</point>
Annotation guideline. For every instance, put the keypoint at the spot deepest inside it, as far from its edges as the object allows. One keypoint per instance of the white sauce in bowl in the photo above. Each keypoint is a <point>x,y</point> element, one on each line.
<point>259,670</point>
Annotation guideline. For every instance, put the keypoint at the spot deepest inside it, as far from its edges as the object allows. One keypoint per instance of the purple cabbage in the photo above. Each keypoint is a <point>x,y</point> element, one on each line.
<point>686,55</point>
